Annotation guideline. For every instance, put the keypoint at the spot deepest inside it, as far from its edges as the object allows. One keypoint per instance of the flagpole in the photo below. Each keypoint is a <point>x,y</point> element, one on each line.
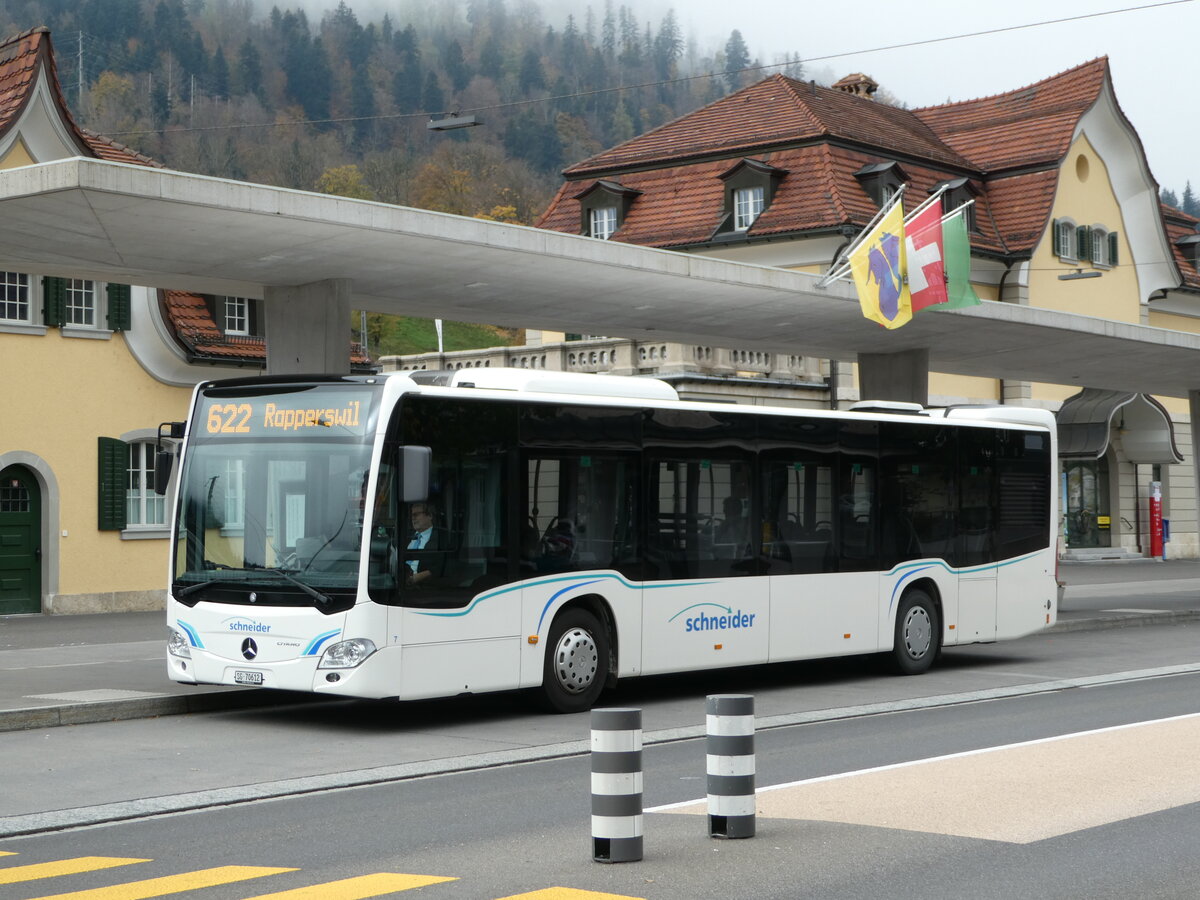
<point>957,211</point>
<point>925,204</point>
<point>830,276</point>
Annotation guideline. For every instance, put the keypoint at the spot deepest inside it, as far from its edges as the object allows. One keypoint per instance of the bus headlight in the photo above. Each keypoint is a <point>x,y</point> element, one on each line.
<point>177,644</point>
<point>346,654</point>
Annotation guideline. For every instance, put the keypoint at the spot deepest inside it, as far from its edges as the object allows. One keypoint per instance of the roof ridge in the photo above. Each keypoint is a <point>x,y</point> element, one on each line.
<point>12,39</point>
<point>1103,60</point>
<point>95,137</point>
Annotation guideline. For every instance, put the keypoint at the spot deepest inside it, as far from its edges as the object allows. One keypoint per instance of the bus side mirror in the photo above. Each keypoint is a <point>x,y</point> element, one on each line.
<point>414,469</point>
<point>164,457</point>
<point>163,462</point>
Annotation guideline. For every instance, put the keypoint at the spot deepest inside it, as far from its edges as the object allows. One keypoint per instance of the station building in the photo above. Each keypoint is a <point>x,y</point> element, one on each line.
<point>784,173</point>
<point>90,371</point>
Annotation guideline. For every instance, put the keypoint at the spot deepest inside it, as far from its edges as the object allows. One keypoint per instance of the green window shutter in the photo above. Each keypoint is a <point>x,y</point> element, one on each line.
<point>114,462</point>
<point>1056,246</point>
<point>120,312</point>
<point>54,297</point>
<point>1112,248</point>
<point>1083,237</point>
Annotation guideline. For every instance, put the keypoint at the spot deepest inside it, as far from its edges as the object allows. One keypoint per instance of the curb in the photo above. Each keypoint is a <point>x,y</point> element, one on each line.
<point>146,708</point>
<point>234,699</point>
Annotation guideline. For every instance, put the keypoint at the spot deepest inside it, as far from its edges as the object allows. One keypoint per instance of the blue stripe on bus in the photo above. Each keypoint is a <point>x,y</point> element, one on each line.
<point>922,566</point>
<point>191,633</point>
<point>576,581</point>
<point>315,644</point>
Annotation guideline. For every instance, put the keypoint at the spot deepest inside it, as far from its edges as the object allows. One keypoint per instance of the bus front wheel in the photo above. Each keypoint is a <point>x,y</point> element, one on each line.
<point>576,665</point>
<point>917,631</point>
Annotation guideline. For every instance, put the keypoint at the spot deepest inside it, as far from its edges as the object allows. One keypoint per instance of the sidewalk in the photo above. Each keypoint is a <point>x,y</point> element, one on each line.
<point>63,670</point>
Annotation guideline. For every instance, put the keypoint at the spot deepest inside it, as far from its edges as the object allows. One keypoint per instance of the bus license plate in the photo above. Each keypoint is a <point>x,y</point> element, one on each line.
<point>243,677</point>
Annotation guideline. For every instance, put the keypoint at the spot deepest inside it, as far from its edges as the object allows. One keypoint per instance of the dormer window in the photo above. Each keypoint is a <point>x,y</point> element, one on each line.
<point>750,187</point>
<point>960,191</point>
<point>747,204</point>
<point>603,222</point>
<point>603,208</point>
<point>237,315</point>
<point>1190,245</point>
<point>881,181</point>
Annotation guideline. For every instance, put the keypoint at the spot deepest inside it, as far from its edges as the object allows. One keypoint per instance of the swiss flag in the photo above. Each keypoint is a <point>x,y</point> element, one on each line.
<point>926,263</point>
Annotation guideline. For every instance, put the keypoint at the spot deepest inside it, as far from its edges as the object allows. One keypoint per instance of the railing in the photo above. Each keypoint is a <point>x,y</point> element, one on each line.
<point>620,356</point>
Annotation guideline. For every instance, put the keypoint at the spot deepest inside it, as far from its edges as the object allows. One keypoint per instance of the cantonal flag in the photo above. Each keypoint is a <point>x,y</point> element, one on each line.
<point>957,249</point>
<point>877,264</point>
<point>926,272</point>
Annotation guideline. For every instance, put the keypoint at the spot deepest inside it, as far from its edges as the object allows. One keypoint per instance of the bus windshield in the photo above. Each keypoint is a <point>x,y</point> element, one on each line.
<point>272,496</point>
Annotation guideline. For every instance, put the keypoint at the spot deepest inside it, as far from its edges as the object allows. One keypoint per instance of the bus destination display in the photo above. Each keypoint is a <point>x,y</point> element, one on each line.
<point>312,412</point>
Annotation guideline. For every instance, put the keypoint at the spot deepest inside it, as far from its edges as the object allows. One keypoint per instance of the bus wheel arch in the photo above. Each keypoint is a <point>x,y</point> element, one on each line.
<point>580,658</point>
<point>918,629</point>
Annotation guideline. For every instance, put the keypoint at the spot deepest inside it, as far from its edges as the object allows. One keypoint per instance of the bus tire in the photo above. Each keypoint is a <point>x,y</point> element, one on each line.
<point>576,665</point>
<point>917,633</point>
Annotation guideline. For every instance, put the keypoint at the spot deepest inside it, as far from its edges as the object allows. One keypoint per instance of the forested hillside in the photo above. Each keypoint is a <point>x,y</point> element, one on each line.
<point>340,103</point>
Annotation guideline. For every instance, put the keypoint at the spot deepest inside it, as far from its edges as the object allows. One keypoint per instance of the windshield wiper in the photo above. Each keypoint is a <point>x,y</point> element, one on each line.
<point>192,588</point>
<point>320,597</point>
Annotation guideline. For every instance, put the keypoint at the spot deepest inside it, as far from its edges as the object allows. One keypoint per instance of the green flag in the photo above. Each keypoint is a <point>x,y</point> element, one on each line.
<point>957,248</point>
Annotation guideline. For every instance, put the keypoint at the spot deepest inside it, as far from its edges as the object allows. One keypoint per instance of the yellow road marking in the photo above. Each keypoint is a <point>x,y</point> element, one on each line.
<point>17,874</point>
<point>170,884</point>
<point>357,888</point>
<point>6,853</point>
<point>562,893</point>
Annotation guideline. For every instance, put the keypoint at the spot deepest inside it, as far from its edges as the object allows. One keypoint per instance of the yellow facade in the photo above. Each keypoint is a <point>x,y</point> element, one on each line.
<point>82,389</point>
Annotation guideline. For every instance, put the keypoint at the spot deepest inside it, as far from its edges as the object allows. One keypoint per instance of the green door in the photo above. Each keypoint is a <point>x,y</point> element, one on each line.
<point>20,542</point>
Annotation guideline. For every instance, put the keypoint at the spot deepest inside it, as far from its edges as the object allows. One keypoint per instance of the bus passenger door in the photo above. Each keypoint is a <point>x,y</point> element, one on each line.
<point>704,605</point>
<point>976,550</point>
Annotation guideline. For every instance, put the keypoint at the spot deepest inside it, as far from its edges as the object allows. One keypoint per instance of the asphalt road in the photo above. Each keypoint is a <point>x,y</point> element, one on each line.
<point>523,831</point>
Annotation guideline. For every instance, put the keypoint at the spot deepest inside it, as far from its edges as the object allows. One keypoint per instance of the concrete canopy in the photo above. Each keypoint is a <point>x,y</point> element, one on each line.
<point>109,221</point>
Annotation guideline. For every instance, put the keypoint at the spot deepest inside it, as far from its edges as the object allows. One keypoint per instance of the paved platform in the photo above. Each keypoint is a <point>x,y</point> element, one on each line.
<point>62,670</point>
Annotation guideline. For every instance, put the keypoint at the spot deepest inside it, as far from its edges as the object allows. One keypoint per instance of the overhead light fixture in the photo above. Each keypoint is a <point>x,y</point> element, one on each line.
<point>451,122</point>
<point>1079,273</point>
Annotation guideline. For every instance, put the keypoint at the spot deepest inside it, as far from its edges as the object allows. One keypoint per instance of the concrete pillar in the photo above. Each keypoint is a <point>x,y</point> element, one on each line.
<point>308,328</point>
<point>903,375</point>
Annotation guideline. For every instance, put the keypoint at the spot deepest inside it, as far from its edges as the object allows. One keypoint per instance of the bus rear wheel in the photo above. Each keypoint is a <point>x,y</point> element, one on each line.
<point>917,632</point>
<point>576,665</point>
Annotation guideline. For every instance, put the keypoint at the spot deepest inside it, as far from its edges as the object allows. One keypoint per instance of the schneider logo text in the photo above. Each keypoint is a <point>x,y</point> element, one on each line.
<point>737,619</point>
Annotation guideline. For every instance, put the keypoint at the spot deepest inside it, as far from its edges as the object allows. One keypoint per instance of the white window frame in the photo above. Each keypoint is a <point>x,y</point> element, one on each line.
<point>29,307</point>
<point>82,309</point>
<point>748,205</point>
<point>602,222</point>
<point>1100,247</point>
<point>1067,231</point>
<point>236,315</point>
<point>144,438</point>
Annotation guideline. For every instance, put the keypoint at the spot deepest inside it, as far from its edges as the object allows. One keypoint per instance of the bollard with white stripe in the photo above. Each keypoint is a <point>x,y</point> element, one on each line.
<point>730,748</point>
<point>616,785</point>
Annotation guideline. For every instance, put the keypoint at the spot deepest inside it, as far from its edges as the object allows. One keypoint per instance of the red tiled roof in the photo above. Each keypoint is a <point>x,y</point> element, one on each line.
<point>1180,225</point>
<point>821,137</point>
<point>682,205</point>
<point>192,323</point>
<point>1028,126</point>
<point>776,111</point>
<point>21,57</point>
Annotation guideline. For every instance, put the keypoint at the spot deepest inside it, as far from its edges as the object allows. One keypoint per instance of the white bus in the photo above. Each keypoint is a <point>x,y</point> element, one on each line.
<point>577,529</point>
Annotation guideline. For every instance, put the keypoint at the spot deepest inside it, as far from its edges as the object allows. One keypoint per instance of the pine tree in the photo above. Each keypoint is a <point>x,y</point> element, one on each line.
<point>1169,198</point>
<point>1188,202</point>
<point>432,98</point>
<point>737,57</point>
